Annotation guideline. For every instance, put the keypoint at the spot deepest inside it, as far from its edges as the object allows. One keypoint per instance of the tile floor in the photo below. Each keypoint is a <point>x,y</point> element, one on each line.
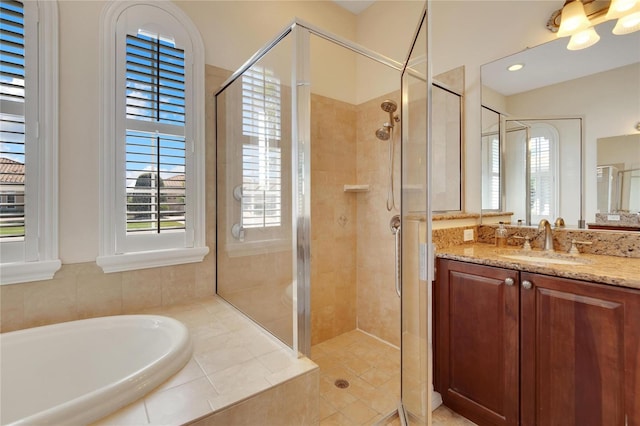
<point>443,416</point>
<point>372,369</point>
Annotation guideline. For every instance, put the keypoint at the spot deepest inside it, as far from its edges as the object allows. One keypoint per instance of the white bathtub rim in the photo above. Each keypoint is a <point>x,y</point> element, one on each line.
<point>108,399</point>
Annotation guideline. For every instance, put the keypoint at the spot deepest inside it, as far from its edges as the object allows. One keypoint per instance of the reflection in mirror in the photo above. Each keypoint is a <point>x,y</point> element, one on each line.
<point>447,176</point>
<point>446,149</point>
<point>599,84</point>
<point>619,174</point>
<point>490,160</point>
<point>534,152</point>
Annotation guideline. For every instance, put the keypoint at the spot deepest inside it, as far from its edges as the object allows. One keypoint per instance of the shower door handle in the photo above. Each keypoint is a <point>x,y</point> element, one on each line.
<point>395,230</point>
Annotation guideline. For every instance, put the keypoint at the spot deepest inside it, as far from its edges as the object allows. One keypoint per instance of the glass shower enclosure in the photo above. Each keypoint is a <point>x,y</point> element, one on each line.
<point>263,148</point>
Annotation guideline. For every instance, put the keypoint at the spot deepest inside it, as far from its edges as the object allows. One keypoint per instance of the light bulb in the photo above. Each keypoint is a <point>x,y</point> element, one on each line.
<point>573,19</point>
<point>627,24</point>
<point>583,39</point>
<point>618,8</point>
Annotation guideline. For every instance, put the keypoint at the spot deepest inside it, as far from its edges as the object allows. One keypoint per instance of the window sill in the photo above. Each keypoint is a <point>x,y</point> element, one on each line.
<point>22,272</point>
<point>151,259</point>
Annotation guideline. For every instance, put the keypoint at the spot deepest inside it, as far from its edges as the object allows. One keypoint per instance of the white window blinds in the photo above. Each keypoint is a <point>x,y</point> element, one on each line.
<point>491,172</point>
<point>12,121</point>
<point>261,155</point>
<point>541,181</point>
<point>155,135</point>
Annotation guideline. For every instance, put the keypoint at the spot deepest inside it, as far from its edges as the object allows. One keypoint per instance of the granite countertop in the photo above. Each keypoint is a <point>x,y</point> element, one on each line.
<point>615,225</point>
<point>612,270</point>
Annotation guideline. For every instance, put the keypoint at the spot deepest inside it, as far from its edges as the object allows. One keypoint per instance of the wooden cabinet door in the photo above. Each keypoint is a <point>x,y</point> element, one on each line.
<point>580,353</point>
<point>478,341</point>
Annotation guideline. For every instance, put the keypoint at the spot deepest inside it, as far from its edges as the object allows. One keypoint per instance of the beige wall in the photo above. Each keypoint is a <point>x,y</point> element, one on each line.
<point>334,219</point>
<point>388,28</point>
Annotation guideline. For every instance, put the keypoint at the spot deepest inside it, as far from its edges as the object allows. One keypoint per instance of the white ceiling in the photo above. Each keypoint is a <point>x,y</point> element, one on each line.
<point>354,6</point>
<point>552,63</point>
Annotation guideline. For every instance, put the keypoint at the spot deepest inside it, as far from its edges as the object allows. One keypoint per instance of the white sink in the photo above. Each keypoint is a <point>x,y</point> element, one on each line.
<point>544,259</point>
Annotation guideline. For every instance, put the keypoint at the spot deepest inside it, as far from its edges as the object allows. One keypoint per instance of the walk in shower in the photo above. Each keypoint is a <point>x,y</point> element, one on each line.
<point>303,182</point>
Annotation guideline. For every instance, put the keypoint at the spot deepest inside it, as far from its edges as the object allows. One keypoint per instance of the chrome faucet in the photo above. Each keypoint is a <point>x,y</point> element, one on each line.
<point>545,226</point>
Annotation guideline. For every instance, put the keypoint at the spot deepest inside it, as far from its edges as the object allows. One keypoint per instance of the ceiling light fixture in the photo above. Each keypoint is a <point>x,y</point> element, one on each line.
<point>628,23</point>
<point>619,8</point>
<point>573,19</point>
<point>515,67</point>
<point>577,18</point>
<point>583,39</point>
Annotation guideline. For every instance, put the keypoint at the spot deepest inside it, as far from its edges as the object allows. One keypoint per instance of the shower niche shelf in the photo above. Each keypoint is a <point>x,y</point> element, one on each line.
<point>356,188</point>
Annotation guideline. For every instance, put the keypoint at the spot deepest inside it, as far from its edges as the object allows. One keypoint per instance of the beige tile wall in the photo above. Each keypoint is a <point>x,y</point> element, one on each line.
<point>82,290</point>
<point>377,302</point>
<point>333,218</point>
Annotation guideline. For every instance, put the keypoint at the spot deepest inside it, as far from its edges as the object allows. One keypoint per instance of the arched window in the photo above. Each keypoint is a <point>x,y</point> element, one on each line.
<point>543,169</point>
<point>28,141</point>
<point>153,137</point>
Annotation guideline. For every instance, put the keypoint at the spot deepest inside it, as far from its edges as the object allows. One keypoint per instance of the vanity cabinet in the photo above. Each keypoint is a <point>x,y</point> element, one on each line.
<point>530,349</point>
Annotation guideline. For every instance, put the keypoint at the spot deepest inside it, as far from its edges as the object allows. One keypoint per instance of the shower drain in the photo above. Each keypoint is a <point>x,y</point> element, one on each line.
<point>341,383</point>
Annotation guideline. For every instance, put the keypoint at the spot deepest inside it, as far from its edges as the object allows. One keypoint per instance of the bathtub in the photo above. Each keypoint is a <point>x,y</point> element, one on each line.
<point>80,371</point>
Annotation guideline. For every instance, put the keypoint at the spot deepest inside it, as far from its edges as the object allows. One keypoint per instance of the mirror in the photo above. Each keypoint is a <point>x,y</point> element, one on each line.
<point>618,174</point>
<point>447,143</point>
<point>599,85</point>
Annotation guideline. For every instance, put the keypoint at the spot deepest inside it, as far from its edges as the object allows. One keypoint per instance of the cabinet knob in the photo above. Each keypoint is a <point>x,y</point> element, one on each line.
<point>509,281</point>
<point>526,284</point>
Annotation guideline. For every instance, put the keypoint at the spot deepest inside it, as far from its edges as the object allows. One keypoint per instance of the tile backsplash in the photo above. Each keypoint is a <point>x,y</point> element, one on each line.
<point>611,243</point>
<point>603,242</point>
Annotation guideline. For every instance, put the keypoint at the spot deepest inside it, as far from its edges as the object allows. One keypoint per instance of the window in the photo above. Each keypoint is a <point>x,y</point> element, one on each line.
<point>153,138</point>
<point>257,144</point>
<point>491,171</point>
<point>261,154</point>
<point>541,181</point>
<point>28,141</point>
<point>543,155</point>
<point>155,95</point>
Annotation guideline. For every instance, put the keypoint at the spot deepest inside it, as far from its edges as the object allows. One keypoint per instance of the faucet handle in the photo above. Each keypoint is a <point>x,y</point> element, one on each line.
<point>574,248</point>
<point>559,223</point>
<point>527,241</point>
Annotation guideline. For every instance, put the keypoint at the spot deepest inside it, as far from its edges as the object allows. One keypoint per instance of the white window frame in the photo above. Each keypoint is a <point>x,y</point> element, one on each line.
<point>118,251</point>
<point>36,258</point>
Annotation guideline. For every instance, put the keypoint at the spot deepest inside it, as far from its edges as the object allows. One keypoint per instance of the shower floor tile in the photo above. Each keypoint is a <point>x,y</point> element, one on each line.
<point>372,369</point>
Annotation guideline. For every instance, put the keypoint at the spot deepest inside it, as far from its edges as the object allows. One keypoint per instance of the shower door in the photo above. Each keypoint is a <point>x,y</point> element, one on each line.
<point>417,256</point>
<point>256,196</point>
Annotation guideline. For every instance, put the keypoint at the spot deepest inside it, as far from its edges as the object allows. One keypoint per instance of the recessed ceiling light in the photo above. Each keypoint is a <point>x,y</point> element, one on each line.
<point>515,67</point>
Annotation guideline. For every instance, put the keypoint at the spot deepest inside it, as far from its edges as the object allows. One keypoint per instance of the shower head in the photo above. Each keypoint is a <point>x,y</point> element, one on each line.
<point>389,106</point>
<point>383,133</point>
